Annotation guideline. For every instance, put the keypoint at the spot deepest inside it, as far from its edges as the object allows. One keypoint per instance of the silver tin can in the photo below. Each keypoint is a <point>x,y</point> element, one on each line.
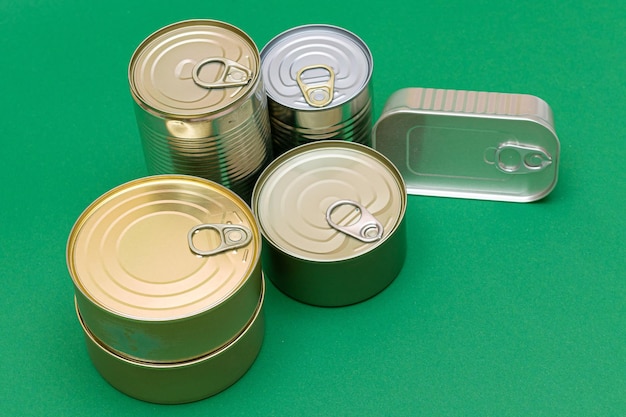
<point>318,83</point>
<point>331,214</point>
<point>166,268</point>
<point>469,144</point>
<point>200,104</point>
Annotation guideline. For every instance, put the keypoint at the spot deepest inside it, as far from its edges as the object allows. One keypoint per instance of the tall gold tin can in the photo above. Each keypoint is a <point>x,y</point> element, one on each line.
<point>331,214</point>
<point>200,104</point>
<point>166,270</point>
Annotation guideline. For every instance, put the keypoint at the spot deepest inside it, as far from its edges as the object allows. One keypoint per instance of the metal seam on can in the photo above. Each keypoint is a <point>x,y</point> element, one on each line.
<point>173,364</point>
<point>175,383</point>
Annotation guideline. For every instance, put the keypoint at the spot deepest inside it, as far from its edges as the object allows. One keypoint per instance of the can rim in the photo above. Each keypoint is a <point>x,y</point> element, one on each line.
<point>181,364</point>
<point>85,214</point>
<point>141,102</point>
<point>285,157</point>
<point>360,42</point>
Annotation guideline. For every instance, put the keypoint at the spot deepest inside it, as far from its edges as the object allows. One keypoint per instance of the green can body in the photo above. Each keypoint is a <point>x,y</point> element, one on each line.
<point>313,258</point>
<point>339,283</point>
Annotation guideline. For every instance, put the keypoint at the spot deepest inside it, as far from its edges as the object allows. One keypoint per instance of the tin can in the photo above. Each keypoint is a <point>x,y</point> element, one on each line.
<point>200,104</point>
<point>185,381</point>
<point>317,79</point>
<point>166,268</point>
<point>331,215</point>
<point>469,144</point>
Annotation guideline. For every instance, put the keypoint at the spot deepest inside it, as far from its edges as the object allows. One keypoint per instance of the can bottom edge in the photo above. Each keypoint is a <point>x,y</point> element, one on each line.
<point>183,382</point>
<point>332,303</point>
<point>337,284</point>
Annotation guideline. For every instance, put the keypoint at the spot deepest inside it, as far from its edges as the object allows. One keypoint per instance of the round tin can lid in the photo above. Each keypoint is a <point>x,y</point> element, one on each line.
<point>163,247</point>
<point>193,68</point>
<point>315,67</point>
<point>329,201</point>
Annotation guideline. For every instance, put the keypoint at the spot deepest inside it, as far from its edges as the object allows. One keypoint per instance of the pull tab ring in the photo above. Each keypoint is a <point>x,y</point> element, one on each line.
<point>317,94</point>
<point>234,74</point>
<point>367,228</point>
<point>231,237</point>
<point>515,158</point>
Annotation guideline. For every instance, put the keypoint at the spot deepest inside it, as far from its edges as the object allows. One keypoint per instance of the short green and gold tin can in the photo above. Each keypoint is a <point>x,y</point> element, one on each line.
<point>167,272</point>
<point>331,214</point>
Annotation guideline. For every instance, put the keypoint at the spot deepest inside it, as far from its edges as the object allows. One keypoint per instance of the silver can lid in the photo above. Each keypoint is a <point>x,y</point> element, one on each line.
<point>329,201</point>
<point>193,68</point>
<point>315,67</point>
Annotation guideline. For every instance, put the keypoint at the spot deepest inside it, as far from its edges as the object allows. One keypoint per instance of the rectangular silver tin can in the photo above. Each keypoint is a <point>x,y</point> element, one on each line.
<point>469,144</point>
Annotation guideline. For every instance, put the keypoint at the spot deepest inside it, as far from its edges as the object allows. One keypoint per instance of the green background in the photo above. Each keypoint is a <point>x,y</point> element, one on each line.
<point>502,309</point>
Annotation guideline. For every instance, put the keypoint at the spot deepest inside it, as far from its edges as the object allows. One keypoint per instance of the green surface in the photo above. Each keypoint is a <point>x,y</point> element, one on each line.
<point>502,309</point>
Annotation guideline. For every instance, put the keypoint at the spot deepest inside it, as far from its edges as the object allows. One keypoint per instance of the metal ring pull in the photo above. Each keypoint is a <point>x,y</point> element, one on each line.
<point>317,94</point>
<point>231,237</point>
<point>366,229</point>
<point>515,158</point>
<point>234,74</point>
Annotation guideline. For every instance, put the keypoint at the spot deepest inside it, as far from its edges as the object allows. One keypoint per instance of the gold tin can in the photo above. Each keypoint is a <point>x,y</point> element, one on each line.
<point>166,268</point>
<point>200,104</point>
<point>180,382</point>
<point>331,215</point>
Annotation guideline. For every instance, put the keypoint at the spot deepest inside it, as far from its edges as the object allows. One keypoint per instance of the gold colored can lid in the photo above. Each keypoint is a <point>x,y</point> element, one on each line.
<point>163,248</point>
<point>193,68</point>
<point>329,201</point>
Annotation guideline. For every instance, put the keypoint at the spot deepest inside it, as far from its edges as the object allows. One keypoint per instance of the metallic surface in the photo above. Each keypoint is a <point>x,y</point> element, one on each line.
<point>468,144</point>
<point>317,78</point>
<point>200,104</point>
<point>230,237</point>
<point>304,254</point>
<point>318,94</point>
<point>140,287</point>
<point>366,228</point>
<point>180,382</point>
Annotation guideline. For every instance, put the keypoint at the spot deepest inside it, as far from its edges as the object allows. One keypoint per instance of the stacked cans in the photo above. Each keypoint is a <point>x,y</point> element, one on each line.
<point>317,80</point>
<point>200,103</point>
<point>168,287</point>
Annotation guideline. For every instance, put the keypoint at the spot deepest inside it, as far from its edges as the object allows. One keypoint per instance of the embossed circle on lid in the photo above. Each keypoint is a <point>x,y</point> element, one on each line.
<point>296,197</point>
<point>132,252</point>
<point>318,49</point>
<point>193,68</point>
